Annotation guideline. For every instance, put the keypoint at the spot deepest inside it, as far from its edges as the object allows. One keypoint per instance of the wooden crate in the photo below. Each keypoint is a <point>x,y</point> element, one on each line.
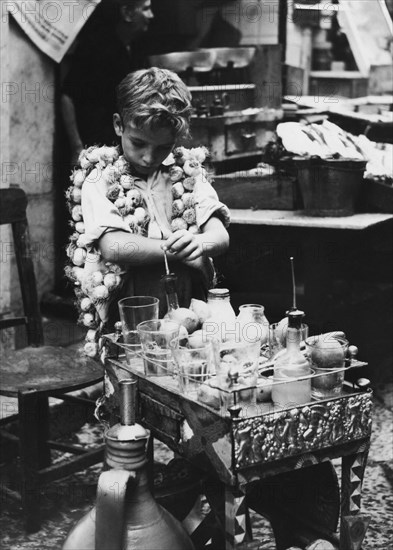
<point>259,192</point>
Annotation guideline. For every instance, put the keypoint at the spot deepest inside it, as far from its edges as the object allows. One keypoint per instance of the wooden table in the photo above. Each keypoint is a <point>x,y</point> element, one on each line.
<point>297,218</point>
<point>238,449</point>
<point>322,243</point>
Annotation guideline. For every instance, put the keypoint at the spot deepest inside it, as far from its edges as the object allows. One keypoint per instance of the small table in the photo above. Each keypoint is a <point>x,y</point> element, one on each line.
<point>320,239</point>
<point>238,450</point>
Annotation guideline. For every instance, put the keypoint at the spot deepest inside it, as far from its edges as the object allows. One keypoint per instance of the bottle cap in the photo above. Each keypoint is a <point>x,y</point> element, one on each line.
<point>295,318</point>
<point>218,293</point>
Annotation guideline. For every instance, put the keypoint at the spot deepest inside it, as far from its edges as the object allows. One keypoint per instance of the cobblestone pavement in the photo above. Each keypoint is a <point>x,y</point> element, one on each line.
<point>64,502</point>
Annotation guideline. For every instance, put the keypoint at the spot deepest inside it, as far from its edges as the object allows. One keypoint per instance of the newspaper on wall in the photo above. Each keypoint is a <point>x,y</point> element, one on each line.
<point>51,24</point>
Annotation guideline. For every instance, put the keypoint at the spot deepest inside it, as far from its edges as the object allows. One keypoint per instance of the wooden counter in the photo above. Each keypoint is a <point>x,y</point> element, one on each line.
<point>297,218</point>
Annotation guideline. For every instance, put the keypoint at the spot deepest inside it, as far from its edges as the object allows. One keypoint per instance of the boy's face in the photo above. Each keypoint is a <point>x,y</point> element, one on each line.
<point>144,149</point>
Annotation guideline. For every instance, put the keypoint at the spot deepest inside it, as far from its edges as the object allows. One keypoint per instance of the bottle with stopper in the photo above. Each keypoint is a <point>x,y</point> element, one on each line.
<point>292,370</point>
<point>278,331</point>
<point>126,516</point>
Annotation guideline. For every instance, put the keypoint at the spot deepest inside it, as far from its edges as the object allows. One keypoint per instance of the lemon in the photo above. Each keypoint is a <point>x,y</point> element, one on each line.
<point>185,317</point>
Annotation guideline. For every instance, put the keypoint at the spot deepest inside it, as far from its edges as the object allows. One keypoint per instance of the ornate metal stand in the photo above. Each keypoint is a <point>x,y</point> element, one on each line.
<point>238,452</point>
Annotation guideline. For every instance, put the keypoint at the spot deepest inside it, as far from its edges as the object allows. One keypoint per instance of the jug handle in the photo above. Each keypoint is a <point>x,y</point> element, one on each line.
<point>110,505</point>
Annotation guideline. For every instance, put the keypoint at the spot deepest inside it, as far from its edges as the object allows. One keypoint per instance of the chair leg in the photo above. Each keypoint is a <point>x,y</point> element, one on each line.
<point>34,452</point>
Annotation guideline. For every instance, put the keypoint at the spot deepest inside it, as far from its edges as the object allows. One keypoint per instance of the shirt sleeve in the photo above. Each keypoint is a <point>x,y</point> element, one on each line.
<point>99,213</point>
<point>207,202</point>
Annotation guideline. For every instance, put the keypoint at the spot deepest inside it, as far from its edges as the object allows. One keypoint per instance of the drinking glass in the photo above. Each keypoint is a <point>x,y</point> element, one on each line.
<point>158,338</point>
<point>194,366</point>
<point>327,354</point>
<point>133,310</point>
<point>238,361</point>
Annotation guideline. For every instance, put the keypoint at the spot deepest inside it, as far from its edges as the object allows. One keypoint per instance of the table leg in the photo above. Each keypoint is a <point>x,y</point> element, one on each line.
<point>34,452</point>
<point>237,519</point>
<point>231,512</point>
<point>353,524</point>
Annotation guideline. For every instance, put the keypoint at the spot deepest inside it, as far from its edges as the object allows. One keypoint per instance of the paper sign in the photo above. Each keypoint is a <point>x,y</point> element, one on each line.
<point>51,24</point>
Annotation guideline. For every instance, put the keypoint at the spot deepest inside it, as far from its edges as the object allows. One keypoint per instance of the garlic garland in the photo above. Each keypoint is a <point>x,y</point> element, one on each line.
<point>95,289</point>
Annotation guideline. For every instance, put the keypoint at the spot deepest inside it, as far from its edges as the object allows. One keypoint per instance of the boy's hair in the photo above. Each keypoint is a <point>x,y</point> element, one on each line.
<point>155,98</point>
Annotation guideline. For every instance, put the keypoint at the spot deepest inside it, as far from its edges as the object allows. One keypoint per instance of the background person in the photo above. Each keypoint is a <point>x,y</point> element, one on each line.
<point>110,47</point>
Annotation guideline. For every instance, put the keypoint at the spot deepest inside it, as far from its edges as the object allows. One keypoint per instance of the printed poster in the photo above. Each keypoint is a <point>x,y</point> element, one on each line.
<point>51,24</point>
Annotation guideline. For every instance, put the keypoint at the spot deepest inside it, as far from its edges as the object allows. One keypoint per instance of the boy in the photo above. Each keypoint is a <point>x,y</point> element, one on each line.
<point>135,205</point>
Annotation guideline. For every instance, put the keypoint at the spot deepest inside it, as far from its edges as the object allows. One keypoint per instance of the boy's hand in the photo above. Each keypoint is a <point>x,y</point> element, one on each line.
<point>184,245</point>
<point>196,264</point>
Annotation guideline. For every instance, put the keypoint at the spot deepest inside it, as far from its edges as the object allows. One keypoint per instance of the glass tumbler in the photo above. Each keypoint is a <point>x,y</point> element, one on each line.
<point>194,367</point>
<point>158,338</point>
<point>327,354</point>
<point>133,310</point>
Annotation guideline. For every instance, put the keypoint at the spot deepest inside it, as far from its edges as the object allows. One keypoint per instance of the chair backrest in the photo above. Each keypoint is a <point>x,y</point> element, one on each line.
<point>13,203</point>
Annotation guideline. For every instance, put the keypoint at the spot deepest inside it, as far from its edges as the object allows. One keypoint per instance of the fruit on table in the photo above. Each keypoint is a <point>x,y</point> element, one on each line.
<point>281,331</point>
<point>185,317</point>
<point>336,334</point>
<point>201,309</point>
<point>209,395</point>
<point>320,544</point>
<point>167,324</point>
<point>197,339</point>
<point>183,335</point>
<point>327,351</point>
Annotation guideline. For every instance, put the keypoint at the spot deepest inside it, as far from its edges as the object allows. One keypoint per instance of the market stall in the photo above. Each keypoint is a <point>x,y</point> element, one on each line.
<point>236,430</point>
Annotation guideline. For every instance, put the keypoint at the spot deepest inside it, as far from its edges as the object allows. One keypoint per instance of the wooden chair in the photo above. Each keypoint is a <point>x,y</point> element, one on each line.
<point>34,373</point>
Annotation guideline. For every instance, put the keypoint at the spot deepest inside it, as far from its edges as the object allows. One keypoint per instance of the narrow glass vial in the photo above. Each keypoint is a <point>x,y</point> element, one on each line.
<point>170,281</point>
<point>292,370</point>
<point>221,323</point>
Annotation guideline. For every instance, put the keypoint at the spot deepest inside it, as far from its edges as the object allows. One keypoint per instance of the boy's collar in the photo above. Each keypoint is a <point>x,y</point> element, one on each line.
<point>170,159</point>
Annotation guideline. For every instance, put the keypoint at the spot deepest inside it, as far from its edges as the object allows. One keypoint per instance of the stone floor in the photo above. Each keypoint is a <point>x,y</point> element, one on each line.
<point>64,502</point>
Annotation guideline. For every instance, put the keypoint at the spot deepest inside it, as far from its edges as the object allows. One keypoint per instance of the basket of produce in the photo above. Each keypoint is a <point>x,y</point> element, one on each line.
<point>335,170</point>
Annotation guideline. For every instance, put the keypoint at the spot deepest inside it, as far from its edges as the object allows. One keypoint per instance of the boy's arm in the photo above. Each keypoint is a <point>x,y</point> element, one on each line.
<point>122,247</point>
<point>213,241</point>
<point>214,237</point>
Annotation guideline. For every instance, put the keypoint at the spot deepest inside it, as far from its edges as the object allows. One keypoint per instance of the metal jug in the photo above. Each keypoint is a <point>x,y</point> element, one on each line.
<point>126,516</point>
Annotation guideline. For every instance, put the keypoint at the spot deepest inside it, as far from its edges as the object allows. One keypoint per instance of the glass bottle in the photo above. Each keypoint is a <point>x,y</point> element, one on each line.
<point>253,324</point>
<point>292,370</point>
<point>170,282</point>
<point>221,323</point>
